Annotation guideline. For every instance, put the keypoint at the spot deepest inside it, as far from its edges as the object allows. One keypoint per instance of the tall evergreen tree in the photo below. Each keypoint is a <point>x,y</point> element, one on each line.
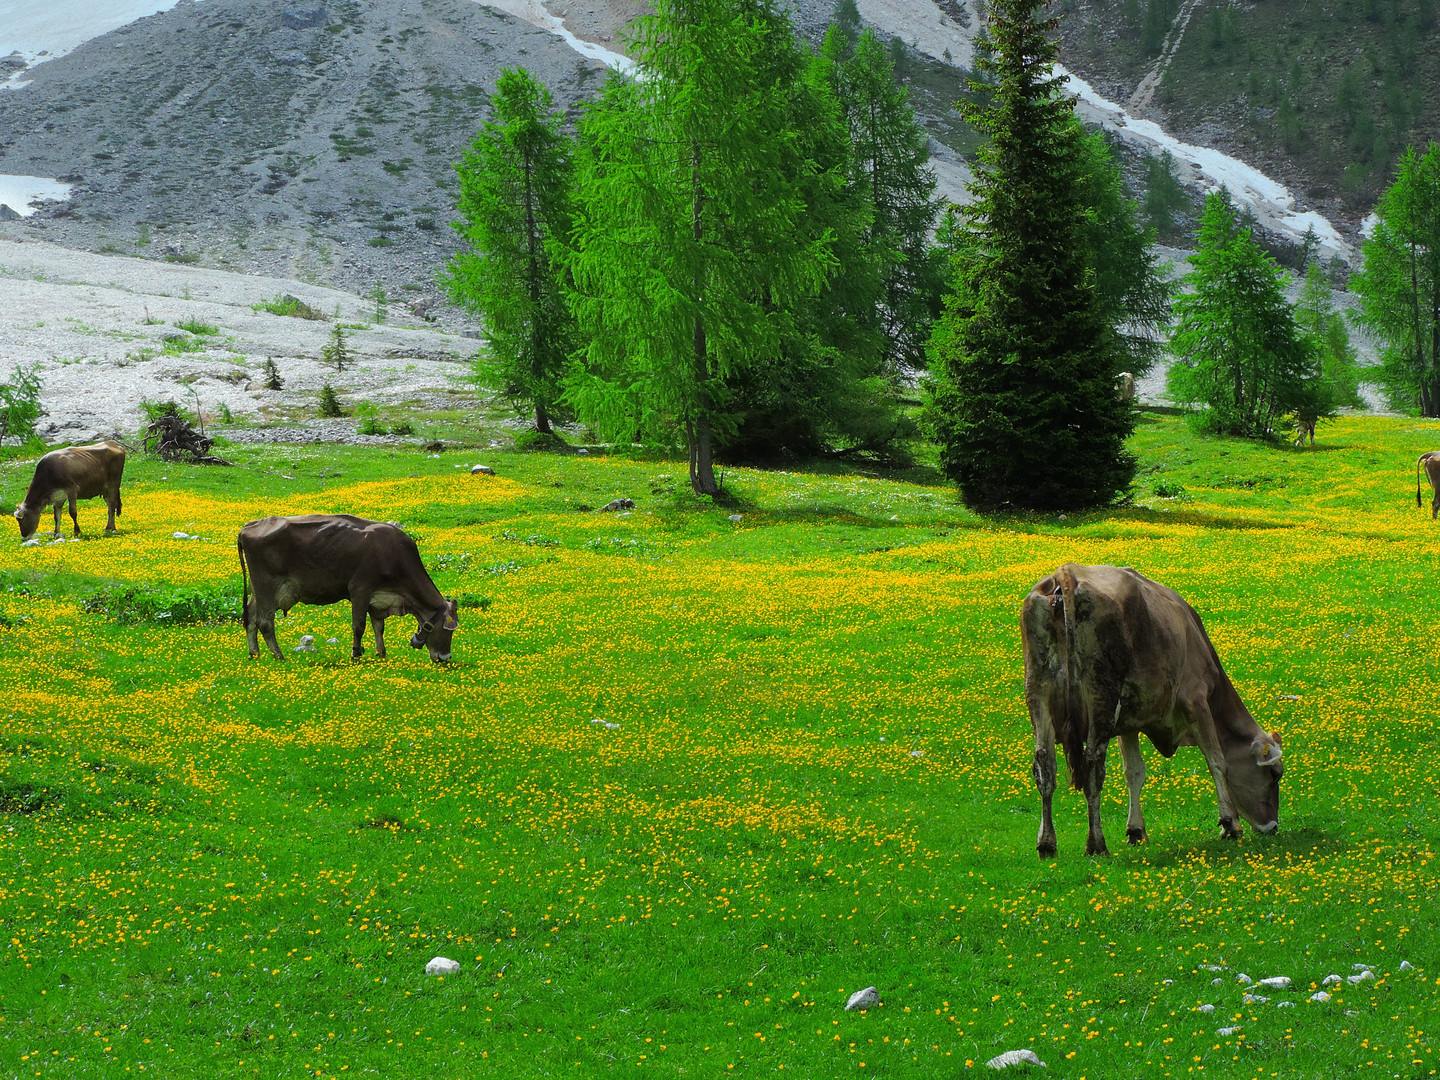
<point>515,205</point>
<point>1239,356</point>
<point>890,154</point>
<point>687,251</point>
<point>1023,401</point>
<point>1134,297</point>
<point>1316,316</point>
<point>845,18</point>
<point>1399,283</point>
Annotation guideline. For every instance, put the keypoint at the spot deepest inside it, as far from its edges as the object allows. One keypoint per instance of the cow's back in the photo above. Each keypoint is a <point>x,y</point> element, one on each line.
<point>320,555</point>
<point>90,470</point>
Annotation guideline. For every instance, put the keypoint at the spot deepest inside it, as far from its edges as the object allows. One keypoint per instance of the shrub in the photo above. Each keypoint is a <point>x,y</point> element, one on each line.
<point>336,351</point>
<point>20,403</point>
<point>272,375</point>
<point>198,328</point>
<point>329,403</point>
<point>286,304</point>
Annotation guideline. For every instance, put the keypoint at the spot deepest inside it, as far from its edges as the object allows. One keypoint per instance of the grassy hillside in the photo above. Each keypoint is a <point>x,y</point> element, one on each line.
<point>811,775</point>
<point>1325,94</point>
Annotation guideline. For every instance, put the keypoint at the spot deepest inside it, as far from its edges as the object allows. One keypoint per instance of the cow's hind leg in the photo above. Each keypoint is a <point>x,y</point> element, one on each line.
<point>1434,503</point>
<point>1134,780</point>
<point>112,503</point>
<point>262,623</point>
<point>1043,769</point>
<point>74,517</point>
<point>1094,781</point>
<point>358,610</point>
<point>56,508</point>
<point>378,625</point>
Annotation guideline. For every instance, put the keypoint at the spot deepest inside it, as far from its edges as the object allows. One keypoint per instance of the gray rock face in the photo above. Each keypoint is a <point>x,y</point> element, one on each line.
<point>300,17</point>
<point>863,999</point>
<point>7,214</point>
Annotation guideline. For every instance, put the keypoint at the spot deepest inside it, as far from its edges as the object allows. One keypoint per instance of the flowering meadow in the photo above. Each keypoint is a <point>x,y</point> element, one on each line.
<point>700,772</point>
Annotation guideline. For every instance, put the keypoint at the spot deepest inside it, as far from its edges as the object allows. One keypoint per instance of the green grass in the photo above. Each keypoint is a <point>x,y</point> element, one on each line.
<point>818,780</point>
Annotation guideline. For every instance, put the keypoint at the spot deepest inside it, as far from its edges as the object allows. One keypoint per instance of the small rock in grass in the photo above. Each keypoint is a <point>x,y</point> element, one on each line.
<point>1330,980</point>
<point>1352,1012</point>
<point>1361,967</point>
<point>737,518</point>
<point>1285,1004</point>
<point>1405,965</point>
<point>1217,982</point>
<point>1255,999</point>
<point>1227,1031</point>
<point>863,999</point>
<point>332,641</point>
<point>481,470</point>
<point>1213,967</point>
<point>612,727</point>
<point>441,966</point>
<point>1014,1057</point>
<point>618,504</point>
<point>1356,980</point>
<point>307,643</point>
<point>917,753</point>
<point>1205,1008</point>
<point>1277,982</point>
<point>1243,979</point>
<point>34,541</point>
<point>1167,982</point>
<point>178,535</point>
<point>582,450</point>
<point>1320,996</point>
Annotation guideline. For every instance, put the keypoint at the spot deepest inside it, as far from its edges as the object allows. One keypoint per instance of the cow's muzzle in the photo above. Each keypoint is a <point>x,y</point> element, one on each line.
<point>1270,829</point>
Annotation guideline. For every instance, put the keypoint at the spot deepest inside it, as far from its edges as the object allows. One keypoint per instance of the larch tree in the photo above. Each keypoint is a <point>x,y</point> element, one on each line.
<point>1022,397</point>
<point>1240,359</point>
<point>515,209</point>
<point>688,253</point>
<point>1399,283</point>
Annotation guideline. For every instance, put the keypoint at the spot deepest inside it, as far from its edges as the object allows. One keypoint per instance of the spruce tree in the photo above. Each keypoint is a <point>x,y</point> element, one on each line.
<point>688,251</point>
<point>329,404</point>
<point>515,205</point>
<point>1023,403</point>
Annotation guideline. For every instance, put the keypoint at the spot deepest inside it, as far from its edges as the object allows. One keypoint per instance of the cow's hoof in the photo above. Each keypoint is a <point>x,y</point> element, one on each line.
<point>1136,836</point>
<point>1229,830</point>
<point>379,654</point>
<point>357,654</point>
<point>1099,851</point>
<point>1046,851</point>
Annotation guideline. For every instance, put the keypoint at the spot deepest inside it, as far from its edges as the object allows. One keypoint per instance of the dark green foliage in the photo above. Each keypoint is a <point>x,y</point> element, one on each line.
<point>379,304</point>
<point>845,18</point>
<point>1022,400</point>
<point>1159,14</point>
<point>1240,359</point>
<point>1134,298</point>
<point>1399,283</point>
<point>336,350</point>
<point>329,404</point>
<point>272,375</point>
<point>20,403</point>
<point>1165,197</point>
<point>691,239</point>
<point>515,204</point>
<point>169,606</point>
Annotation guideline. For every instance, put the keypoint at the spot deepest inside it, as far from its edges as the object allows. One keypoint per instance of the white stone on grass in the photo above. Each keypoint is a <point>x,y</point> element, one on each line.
<point>1330,980</point>
<point>441,966</point>
<point>1243,979</point>
<point>1364,976</point>
<point>1277,982</point>
<point>1207,1009</point>
<point>863,999</point>
<point>307,643</point>
<point>1320,996</point>
<point>1361,967</point>
<point>34,541</point>
<point>1015,1057</point>
<point>332,641</point>
<point>481,470</point>
<point>1405,965</point>
<point>1226,1031</point>
<point>1217,982</point>
<point>1285,1004</point>
<point>1254,999</point>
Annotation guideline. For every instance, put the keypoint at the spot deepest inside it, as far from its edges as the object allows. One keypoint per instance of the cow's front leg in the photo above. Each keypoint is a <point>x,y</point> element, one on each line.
<point>1215,759</point>
<point>358,610</point>
<point>1094,781</point>
<point>74,517</point>
<point>377,623</point>
<point>1134,780</point>
<point>110,521</point>
<point>266,623</point>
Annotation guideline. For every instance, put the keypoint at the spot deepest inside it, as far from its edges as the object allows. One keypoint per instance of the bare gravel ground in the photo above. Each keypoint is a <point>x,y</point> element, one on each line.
<point>97,326</point>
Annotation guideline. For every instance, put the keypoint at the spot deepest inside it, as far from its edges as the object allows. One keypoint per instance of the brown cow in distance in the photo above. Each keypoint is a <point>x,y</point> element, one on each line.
<point>76,472</point>
<point>1111,654</point>
<point>326,558</point>
<point>1430,463</point>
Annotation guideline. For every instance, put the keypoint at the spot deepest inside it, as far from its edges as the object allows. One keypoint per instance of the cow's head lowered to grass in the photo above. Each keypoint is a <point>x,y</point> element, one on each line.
<point>29,519</point>
<point>1253,775</point>
<point>434,632</point>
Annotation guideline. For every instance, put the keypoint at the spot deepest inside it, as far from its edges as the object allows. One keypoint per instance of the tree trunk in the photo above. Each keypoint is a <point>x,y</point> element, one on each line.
<point>702,463</point>
<point>542,419</point>
<point>702,459</point>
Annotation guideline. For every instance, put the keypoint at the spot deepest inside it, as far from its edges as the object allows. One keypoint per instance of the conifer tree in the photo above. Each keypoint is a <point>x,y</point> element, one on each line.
<point>1022,400</point>
<point>1240,358</point>
<point>515,205</point>
<point>1399,283</point>
<point>688,253</point>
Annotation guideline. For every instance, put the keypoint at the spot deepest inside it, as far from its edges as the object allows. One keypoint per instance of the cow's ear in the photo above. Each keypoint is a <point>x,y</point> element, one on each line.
<point>1267,751</point>
<point>451,622</point>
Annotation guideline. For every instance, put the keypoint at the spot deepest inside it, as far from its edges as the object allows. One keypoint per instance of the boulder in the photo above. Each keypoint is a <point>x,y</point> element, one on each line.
<point>302,16</point>
<point>863,999</point>
<point>6,214</point>
<point>1014,1057</point>
<point>618,504</point>
<point>441,966</point>
<point>481,470</point>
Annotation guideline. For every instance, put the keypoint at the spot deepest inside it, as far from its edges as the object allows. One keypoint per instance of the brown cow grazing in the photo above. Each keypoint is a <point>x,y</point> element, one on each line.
<point>1110,653</point>
<point>1431,464</point>
<point>326,558</point>
<point>76,472</point>
<point>1125,386</point>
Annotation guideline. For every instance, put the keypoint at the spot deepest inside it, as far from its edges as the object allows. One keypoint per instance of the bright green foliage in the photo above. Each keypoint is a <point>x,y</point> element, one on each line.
<point>1399,284</point>
<point>1316,315</point>
<point>689,251</point>
<point>889,155</point>
<point>515,205</point>
<point>20,403</point>
<point>1239,356</point>
<point>329,404</point>
<point>273,381</point>
<point>1134,297</point>
<point>1023,402</point>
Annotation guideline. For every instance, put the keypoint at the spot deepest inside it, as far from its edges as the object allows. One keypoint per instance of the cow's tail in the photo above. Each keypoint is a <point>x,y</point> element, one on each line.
<point>1419,464</point>
<point>1073,731</point>
<point>244,586</point>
